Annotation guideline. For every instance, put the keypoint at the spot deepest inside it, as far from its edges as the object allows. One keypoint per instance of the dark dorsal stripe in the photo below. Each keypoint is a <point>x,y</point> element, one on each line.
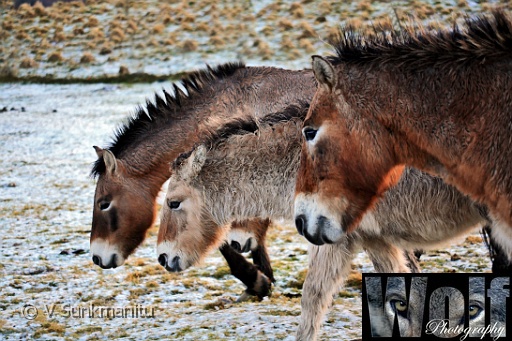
<point>164,110</point>
<point>480,38</point>
<point>244,126</point>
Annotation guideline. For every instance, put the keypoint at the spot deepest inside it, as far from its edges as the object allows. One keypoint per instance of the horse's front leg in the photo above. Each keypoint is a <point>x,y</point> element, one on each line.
<point>329,265</point>
<point>257,283</point>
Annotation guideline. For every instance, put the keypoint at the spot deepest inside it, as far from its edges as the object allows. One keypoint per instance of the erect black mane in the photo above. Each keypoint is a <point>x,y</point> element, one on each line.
<point>164,110</point>
<point>482,37</point>
<point>244,126</point>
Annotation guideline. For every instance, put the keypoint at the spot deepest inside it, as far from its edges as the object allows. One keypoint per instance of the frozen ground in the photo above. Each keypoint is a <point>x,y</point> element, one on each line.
<point>45,208</point>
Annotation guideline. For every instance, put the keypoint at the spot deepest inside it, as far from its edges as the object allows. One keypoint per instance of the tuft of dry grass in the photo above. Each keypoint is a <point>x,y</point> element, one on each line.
<point>307,31</point>
<point>355,279</point>
<point>158,28</point>
<point>216,41</point>
<point>131,27</point>
<point>189,45</point>
<point>188,17</point>
<point>87,58</point>
<point>96,33</point>
<point>21,35</point>
<point>39,9</point>
<point>26,11</point>
<point>474,240</point>
<point>28,63</point>
<point>55,57</point>
<point>462,3</point>
<point>285,24</point>
<point>307,45</point>
<point>117,35</point>
<point>106,48</point>
<point>185,26</point>
<point>7,24</point>
<point>92,22</point>
<point>365,6</point>
<point>287,43</point>
<point>8,71</point>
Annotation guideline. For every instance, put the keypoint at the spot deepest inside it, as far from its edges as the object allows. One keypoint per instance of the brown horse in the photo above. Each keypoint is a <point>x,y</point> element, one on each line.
<point>132,169</point>
<point>439,101</point>
<point>248,169</point>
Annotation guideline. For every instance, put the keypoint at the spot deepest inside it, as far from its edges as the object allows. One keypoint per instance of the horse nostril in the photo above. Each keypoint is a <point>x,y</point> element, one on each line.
<point>236,245</point>
<point>96,260</point>
<point>162,259</point>
<point>175,264</point>
<point>247,246</point>
<point>300,223</point>
<point>113,262</point>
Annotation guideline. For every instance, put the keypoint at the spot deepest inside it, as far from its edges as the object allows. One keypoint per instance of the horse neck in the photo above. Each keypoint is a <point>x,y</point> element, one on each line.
<point>450,122</point>
<point>247,184</point>
<point>249,92</point>
<point>421,110</point>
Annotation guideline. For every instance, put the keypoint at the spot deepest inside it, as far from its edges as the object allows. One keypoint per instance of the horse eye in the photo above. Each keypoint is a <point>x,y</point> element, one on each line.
<point>173,205</point>
<point>309,133</point>
<point>474,311</point>
<point>399,306</point>
<point>104,205</point>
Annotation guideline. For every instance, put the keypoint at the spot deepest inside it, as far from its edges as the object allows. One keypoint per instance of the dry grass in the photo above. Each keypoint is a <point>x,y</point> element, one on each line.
<point>116,35</point>
<point>96,33</point>
<point>28,63</point>
<point>158,28</point>
<point>87,58</point>
<point>55,57</point>
<point>92,22</point>
<point>189,45</point>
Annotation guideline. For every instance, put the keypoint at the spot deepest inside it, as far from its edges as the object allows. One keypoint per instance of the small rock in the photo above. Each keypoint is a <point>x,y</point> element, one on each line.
<point>75,252</point>
<point>4,109</point>
<point>36,271</point>
<point>54,110</point>
<point>123,70</point>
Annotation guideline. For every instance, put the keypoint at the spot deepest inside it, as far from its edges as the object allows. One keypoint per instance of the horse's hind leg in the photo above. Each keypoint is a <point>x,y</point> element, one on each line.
<point>500,259</point>
<point>500,246</point>
<point>329,265</point>
<point>412,260</point>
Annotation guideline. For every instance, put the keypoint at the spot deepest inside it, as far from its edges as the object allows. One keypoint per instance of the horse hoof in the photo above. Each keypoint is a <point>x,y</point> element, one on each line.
<point>262,287</point>
<point>244,297</point>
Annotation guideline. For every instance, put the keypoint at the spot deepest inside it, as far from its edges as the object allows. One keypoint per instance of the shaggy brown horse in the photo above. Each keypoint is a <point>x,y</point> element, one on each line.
<point>440,101</point>
<point>132,169</point>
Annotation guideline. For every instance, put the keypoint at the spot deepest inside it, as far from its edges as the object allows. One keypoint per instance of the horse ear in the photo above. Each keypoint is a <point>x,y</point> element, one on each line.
<point>99,151</point>
<point>324,72</point>
<point>191,167</point>
<point>110,161</point>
